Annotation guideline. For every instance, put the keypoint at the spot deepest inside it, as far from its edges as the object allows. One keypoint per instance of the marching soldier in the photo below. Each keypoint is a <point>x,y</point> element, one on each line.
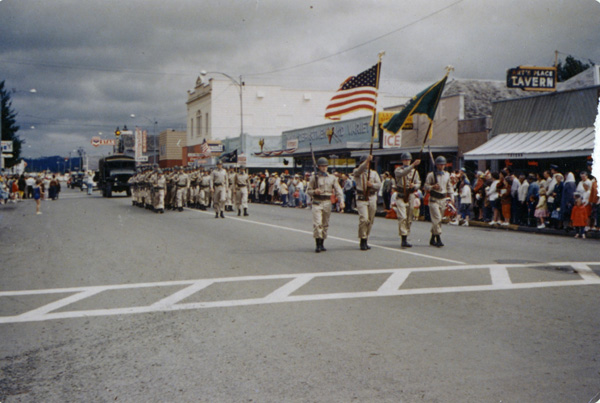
<point>320,188</point>
<point>218,188</point>
<point>230,190</point>
<point>205,190</point>
<point>172,186</point>
<point>160,185</point>
<point>366,200</point>
<point>407,181</point>
<point>241,183</point>
<point>439,187</point>
<point>182,182</point>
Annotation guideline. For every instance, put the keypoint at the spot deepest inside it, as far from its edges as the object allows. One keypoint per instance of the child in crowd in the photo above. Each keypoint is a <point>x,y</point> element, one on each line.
<point>541,209</point>
<point>465,203</point>
<point>37,195</point>
<point>579,216</point>
<point>416,205</point>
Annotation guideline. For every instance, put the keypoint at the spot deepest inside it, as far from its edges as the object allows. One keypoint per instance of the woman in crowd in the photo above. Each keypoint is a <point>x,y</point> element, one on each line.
<point>541,209</point>
<point>505,197</point>
<point>492,195</point>
<point>566,201</point>
<point>557,196</point>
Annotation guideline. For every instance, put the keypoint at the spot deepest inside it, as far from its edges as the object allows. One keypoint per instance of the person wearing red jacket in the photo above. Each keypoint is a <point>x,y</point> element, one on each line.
<point>579,216</point>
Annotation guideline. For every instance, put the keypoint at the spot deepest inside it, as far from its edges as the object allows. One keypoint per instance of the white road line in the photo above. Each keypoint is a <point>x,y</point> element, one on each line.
<point>41,311</point>
<point>182,294</point>
<point>499,281</point>
<point>500,275</point>
<point>334,237</point>
<point>393,283</point>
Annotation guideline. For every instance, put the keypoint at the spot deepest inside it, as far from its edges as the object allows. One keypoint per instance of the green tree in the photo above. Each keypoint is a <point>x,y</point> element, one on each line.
<point>9,126</point>
<point>570,68</point>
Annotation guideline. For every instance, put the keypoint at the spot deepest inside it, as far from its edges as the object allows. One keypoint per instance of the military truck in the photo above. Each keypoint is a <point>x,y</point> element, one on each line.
<point>113,174</point>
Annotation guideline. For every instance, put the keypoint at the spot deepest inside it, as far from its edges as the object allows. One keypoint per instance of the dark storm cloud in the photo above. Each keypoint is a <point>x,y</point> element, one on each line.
<point>94,62</point>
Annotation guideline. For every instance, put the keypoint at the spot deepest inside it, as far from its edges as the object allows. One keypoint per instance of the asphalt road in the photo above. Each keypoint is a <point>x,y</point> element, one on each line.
<point>102,301</point>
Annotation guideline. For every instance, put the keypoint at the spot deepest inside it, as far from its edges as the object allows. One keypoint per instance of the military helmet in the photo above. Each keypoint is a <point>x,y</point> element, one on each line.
<point>405,156</point>
<point>322,161</point>
<point>440,160</point>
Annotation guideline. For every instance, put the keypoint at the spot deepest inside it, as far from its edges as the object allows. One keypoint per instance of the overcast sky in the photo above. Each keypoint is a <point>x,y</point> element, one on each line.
<point>93,63</point>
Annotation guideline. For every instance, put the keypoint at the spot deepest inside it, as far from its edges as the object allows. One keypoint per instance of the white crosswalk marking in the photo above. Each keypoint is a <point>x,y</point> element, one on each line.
<point>291,290</point>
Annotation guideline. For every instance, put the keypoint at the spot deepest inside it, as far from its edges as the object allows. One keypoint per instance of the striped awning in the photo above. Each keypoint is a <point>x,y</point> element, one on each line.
<point>541,144</point>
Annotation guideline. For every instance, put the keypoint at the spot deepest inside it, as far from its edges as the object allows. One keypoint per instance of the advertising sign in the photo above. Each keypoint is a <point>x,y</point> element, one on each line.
<point>7,146</point>
<point>532,78</point>
<point>391,141</point>
<point>97,141</point>
<point>384,117</point>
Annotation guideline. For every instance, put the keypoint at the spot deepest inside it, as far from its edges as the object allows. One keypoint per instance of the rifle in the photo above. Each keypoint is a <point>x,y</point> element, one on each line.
<point>316,173</point>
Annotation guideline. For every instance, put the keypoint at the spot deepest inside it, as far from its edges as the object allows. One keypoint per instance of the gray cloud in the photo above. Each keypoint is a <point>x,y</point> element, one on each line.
<point>95,62</point>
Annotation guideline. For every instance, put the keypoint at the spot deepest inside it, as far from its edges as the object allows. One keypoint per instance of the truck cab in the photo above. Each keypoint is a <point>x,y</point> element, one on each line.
<point>113,174</point>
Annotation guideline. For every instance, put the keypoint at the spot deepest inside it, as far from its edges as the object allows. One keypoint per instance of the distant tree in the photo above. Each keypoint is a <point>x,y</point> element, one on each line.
<point>570,68</point>
<point>9,127</point>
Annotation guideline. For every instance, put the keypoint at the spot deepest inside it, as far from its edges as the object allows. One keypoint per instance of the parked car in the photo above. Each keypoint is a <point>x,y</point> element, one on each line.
<point>76,180</point>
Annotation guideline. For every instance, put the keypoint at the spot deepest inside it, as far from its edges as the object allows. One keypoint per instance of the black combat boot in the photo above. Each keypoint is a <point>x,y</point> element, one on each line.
<point>433,240</point>
<point>363,244</point>
<point>405,243</point>
<point>438,243</point>
<point>246,212</point>
<point>217,215</point>
<point>318,245</point>
<point>239,212</point>
<point>323,245</point>
<point>222,216</point>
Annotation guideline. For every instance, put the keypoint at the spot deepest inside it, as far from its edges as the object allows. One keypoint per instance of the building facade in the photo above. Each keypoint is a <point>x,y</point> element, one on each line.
<point>171,143</point>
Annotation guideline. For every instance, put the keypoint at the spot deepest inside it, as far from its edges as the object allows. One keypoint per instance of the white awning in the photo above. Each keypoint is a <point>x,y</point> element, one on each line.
<point>543,144</point>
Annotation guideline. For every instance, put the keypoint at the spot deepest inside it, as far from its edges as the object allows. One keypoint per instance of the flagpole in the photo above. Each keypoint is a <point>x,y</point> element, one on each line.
<point>365,187</point>
<point>430,127</point>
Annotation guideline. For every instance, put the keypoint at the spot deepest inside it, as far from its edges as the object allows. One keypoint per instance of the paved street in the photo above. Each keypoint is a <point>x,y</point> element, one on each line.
<point>102,301</point>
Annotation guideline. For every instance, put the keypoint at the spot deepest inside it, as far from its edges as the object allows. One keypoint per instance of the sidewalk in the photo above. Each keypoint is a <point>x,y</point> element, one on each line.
<point>511,227</point>
<point>545,231</point>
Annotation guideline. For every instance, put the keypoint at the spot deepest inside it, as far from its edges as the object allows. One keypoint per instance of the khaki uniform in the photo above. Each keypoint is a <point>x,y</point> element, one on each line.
<point>160,188</point>
<point>205,190</point>
<point>218,187</point>
<point>321,204</point>
<point>407,180</point>
<point>241,183</point>
<point>437,199</point>
<point>183,182</point>
<point>366,204</point>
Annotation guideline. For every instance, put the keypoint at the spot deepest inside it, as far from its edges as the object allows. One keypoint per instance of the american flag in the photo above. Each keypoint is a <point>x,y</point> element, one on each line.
<point>205,148</point>
<point>357,92</point>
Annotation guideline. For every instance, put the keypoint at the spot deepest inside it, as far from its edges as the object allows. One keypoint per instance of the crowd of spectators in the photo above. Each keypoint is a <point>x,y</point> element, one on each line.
<point>16,188</point>
<point>548,199</point>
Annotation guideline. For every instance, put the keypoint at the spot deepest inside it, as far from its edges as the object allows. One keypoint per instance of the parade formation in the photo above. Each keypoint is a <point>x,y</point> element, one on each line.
<point>159,189</point>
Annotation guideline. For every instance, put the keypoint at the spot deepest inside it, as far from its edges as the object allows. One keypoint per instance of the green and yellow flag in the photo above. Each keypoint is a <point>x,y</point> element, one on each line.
<point>424,103</point>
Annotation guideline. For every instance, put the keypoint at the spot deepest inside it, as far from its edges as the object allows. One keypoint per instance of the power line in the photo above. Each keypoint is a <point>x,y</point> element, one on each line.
<point>162,73</point>
<point>361,44</point>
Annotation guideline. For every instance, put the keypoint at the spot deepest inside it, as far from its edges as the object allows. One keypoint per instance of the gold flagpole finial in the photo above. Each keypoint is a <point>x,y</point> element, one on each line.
<point>381,54</point>
<point>449,68</point>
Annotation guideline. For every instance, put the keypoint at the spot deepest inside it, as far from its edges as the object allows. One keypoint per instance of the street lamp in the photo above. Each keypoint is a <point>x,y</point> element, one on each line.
<point>240,85</point>
<point>154,122</point>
